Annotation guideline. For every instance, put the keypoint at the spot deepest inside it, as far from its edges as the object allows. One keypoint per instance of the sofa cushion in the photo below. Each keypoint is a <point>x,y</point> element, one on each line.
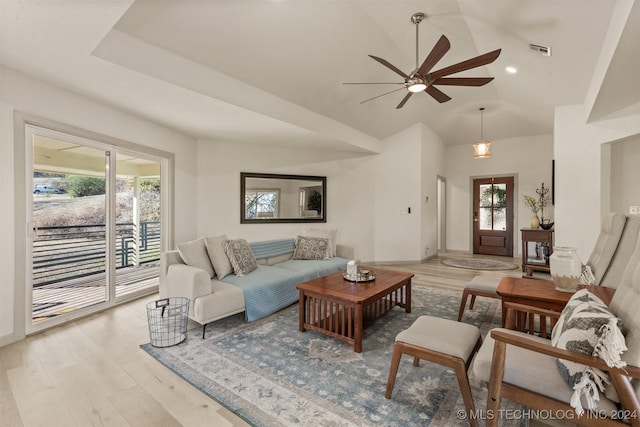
<point>587,326</point>
<point>194,253</point>
<point>327,234</point>
<point>217,255</point>
<point>272,248</point>
<point>240,256</point>
<point>309,269</point>
<point>311,248</point>
<point>267,289</point>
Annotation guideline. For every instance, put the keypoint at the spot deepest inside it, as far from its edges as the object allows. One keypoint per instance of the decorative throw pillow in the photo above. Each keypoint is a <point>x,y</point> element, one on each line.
<point>327,234</point>
<point>240,256</point>
<point>217,255</point>
<point>194,253</point>
<point>586,325</point>
<point>311,248</point>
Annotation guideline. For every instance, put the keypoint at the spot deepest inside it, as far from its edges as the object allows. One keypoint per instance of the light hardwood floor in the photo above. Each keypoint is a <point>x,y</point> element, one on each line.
<point>93,372</point>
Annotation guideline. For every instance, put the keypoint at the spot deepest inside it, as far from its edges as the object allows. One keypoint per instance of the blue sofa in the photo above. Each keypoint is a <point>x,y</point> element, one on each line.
<point>269,288</point>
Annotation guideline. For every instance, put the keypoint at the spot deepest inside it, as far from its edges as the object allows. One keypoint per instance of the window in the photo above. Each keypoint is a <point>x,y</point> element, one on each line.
<point>262,204</point>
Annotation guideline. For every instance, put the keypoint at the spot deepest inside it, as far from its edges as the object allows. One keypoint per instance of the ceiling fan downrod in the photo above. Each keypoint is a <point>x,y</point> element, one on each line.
<point>417,18</point>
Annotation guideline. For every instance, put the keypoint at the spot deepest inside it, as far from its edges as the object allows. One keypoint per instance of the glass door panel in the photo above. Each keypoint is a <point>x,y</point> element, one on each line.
<point>68,227</point>
<point>138,237</point>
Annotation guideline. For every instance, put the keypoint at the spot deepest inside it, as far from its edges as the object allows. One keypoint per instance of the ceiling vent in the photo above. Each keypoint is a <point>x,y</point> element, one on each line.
<point>542,50</point>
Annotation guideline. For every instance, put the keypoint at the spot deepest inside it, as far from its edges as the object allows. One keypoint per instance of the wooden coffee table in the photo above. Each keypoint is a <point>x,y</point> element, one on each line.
<point>542,294</point>
<point>342,309</point>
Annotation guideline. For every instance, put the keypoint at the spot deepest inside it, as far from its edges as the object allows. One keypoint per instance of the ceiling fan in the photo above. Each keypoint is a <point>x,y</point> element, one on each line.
<point>421,79</point>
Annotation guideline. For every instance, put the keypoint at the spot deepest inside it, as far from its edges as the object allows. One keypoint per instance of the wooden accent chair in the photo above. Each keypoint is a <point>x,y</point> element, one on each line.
<point>479,286</point>
<point>522,367</point>
<point>442,341</point>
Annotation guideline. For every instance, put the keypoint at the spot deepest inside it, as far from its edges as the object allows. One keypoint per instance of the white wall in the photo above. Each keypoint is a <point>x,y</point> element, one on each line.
<point>397,188</point>
<point>19,92</point>
<point>578,150</point>
<point>624,188</point>
<point>528,158</point>
<point>433,165</point>
<point>350,191</point>
<point>365,193</point>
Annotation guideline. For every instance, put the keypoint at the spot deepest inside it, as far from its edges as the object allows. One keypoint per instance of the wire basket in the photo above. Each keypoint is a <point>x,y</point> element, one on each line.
<point>168,318</point>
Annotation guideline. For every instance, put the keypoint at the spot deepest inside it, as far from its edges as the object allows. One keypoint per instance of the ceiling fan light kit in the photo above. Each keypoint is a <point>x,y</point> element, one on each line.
<point>421,79</point>
<point>481,149</point>
<point>417,86</point>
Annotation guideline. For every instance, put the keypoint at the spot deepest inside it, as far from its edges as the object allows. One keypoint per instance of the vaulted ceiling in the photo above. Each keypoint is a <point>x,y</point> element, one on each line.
<point>271,71</point>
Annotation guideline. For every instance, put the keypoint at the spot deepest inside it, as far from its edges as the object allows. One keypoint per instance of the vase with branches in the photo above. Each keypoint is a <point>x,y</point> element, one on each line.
<point>537,204</point>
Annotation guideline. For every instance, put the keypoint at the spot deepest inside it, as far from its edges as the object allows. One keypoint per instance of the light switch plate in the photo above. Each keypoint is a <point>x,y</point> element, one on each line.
<point>634,210</point>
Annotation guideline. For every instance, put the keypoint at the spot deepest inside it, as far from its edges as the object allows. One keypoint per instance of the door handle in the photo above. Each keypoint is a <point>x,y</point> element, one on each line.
<point>32,229</point>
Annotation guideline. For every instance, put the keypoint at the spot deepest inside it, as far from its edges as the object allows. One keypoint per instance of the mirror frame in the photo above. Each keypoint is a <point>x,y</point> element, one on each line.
<point>243,181</point>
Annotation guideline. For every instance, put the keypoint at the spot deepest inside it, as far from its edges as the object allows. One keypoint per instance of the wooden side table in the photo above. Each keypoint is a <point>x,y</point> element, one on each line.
<point>540,262</point>
<point>542,294</point>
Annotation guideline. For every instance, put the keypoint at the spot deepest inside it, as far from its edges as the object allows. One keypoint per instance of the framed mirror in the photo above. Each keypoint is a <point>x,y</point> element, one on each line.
<point>266,198</point>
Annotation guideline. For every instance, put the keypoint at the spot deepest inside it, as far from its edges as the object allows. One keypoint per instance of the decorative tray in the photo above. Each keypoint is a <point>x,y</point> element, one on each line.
<point>360,277</point>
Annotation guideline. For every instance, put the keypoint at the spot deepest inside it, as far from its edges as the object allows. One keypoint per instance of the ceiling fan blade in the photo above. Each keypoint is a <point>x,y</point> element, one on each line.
<point>436,54</point>
<point>463,81</point>
<point>478,61</point>
<point>368,83</point>
<point>437,94</point>
<point>390,66</point>
<point>404,100</point>
<point>376,97</point>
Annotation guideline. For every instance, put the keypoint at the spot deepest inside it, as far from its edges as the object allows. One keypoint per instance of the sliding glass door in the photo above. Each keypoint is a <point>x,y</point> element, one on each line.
<point>137,227</point>
<point>94,225</point>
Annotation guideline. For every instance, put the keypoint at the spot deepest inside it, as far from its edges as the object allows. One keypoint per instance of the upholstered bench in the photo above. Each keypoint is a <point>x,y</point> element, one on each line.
<point>442,341</point>
<point>484,286</point>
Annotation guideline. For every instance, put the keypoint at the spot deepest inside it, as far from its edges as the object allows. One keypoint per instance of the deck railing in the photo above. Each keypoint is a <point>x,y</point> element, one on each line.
<point>65,252</point>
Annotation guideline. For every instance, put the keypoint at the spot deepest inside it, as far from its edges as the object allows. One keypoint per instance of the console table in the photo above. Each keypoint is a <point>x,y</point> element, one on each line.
<point>540,262</point>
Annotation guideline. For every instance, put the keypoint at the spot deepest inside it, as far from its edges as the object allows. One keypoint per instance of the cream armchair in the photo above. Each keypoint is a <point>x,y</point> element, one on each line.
<point>521,367</point>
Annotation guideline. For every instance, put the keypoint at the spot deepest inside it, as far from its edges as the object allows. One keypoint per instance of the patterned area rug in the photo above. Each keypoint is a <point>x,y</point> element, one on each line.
<point>270,374</point>
<point>479,264</point>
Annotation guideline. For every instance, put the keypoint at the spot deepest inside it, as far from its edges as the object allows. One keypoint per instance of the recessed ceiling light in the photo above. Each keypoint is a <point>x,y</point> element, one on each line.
<point>511,70</point>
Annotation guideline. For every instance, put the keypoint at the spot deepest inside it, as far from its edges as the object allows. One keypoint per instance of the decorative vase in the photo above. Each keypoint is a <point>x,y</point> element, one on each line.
<point>535,221</point>
<point>566,268</point>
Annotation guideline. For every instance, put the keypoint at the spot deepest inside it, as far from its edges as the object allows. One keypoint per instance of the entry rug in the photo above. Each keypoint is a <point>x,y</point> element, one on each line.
<point>270,374</point>
<point>479,264</point>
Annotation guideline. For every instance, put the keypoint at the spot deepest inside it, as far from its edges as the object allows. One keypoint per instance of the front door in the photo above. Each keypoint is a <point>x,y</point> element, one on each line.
<point>493,216</point>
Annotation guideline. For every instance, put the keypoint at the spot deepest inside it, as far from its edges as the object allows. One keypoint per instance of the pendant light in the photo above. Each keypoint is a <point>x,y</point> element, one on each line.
<point>481,148</point>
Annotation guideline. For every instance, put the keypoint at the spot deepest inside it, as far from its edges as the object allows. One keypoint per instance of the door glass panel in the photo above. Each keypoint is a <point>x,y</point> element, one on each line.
<point>486,195</point>
<point>69,227</point>
<point>500,195</point>
<point>485,218</point>
<point>493,203</point>
<point>499,219</point>
<point>137,245</point>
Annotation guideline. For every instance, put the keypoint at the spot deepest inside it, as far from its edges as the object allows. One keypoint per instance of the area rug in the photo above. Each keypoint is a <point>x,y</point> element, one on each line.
<point>270,374</point>
<point>479,264</point>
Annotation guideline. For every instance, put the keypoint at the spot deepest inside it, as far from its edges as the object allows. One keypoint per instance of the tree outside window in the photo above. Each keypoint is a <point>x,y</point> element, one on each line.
<point>261,203</point>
